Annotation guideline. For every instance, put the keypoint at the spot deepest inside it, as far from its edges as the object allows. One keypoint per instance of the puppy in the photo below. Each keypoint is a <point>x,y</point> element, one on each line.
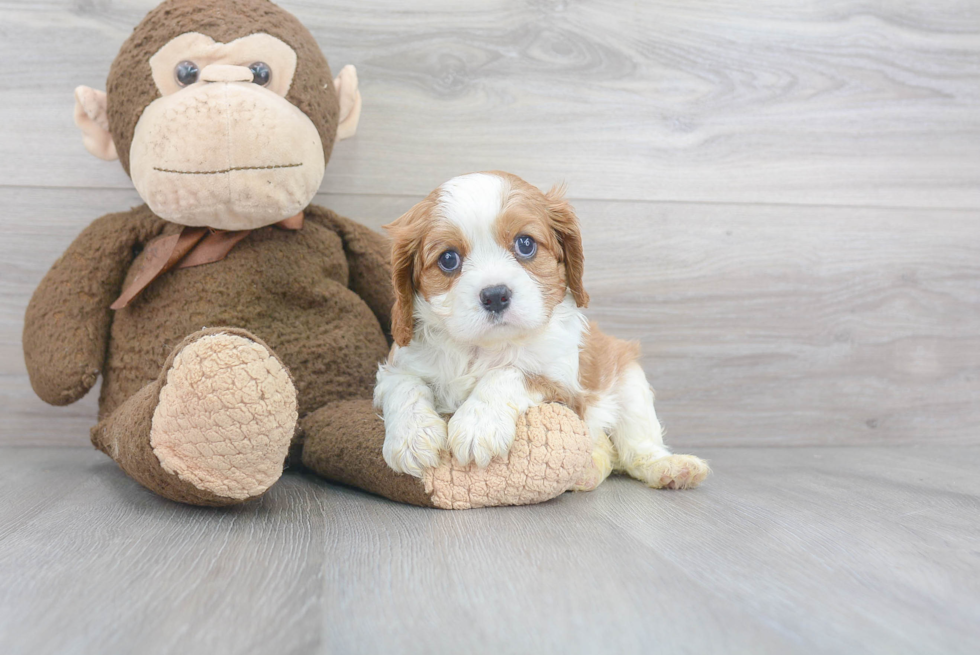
<point>487,322</point>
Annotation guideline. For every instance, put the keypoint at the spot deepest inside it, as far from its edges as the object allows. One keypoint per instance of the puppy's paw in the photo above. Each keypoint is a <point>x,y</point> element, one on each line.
<point>480,431</point>
<point>671,472</point>
<point>414,441</point>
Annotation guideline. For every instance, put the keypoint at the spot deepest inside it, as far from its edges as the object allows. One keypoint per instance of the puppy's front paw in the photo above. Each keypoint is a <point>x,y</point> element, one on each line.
<point>414,442</point>
<point>480,431</point>
<point>671,472</point>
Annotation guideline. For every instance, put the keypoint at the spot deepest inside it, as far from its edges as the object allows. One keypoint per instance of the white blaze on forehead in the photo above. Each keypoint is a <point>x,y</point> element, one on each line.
<point>473,202</point>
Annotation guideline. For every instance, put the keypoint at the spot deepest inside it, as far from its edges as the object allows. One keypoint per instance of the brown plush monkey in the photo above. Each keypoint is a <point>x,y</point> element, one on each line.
<point>232,322</point>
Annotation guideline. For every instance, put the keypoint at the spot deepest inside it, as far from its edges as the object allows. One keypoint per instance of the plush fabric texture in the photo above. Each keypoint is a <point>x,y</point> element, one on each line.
<point>248,158</point>
<point>193,246</point>
<point>131,88</point>
<point>225,417</point>
<point>66,328</point>
<point>90,118</point>
<point>225,58</point>
<point>319,297</point>
<point>552,452</point>
<point>603,458</point>
<point>213,372</point>
<point>124,435</point>
<point>329,450</point>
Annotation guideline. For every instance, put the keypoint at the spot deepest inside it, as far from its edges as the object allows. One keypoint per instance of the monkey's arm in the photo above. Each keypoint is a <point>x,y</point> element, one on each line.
<point>66,327</point>
<point>369,263</point>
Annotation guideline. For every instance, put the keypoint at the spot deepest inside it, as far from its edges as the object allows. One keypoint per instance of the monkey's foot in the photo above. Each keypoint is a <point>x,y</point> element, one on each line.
<point>552,453</point>
<point>603,457</point>
<point>225,417</point>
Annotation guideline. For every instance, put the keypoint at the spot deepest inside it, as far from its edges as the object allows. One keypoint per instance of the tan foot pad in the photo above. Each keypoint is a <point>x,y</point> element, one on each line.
<point>551,452</point>
<point>226,416</point>
<point>603,456</point>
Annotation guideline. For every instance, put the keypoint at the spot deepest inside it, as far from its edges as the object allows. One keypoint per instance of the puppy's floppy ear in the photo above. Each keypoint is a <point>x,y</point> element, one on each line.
<point>406,237</point>
<point>565,224</point>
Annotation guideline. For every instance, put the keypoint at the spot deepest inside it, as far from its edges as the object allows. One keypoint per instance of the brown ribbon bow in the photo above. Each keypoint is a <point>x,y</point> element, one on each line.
<point>192,246</point>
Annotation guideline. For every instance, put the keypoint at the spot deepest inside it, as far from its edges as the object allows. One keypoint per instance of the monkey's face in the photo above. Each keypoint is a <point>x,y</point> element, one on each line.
<point>221,146</point>
<point>224,112</point>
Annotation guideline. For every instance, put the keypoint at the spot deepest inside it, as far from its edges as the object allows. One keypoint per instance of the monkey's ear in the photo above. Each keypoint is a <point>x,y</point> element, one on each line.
<point>90,117</point>
<point>350,101</point>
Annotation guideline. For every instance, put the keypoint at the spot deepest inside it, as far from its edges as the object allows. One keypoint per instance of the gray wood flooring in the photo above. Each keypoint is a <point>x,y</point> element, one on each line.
<point>760,324</point>
<point>785,550</point>
<point>854,102</point>
<point>780,201</point>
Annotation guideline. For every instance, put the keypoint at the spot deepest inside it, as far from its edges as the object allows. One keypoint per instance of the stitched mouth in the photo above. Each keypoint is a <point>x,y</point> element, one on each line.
<point>227,170</point>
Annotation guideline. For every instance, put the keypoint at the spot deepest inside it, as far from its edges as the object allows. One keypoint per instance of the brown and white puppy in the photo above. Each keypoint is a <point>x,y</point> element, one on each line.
<point>488,279</point>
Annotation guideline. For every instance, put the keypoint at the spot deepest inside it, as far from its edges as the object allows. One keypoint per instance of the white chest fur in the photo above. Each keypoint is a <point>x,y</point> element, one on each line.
<point>452,370</point>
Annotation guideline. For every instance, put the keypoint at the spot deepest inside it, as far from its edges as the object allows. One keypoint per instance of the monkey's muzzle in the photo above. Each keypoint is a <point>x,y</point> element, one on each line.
<point>226,154</point>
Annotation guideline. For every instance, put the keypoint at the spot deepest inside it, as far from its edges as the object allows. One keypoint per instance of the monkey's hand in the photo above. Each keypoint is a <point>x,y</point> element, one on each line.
<point>66,328</point>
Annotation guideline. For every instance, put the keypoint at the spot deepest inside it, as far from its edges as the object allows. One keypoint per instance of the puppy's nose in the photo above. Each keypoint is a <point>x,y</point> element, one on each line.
<point>495,299</point>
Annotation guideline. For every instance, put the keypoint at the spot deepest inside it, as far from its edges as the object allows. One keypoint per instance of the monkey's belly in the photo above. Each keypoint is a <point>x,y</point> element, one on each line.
<point>326,335</point>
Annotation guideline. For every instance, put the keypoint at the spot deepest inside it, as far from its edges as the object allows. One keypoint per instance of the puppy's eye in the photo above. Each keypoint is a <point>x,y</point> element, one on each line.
<point>525,246</point>
<point>449,261</point>
<point>186,73</point>
<point>261,73</point>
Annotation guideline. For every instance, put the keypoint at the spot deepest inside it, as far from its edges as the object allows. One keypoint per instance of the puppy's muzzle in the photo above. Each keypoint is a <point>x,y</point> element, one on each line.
<point>495,299</point>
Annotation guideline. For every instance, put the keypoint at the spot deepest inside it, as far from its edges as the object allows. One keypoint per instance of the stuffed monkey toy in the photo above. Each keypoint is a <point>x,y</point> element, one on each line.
<point>236,327</point>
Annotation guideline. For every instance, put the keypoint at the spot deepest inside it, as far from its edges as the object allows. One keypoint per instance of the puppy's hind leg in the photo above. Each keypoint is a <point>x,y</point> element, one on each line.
<point>638,438</point>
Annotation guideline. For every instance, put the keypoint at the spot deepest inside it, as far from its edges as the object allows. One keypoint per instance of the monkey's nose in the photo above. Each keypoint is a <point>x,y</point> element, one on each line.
<point>495,299</point>
<point>226,73</point>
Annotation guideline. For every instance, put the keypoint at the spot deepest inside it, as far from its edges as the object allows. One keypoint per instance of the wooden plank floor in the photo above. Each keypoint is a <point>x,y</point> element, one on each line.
<point>759,325</point>
<point>802,550</point>
<point>780,200</point>
<point>851,102</point>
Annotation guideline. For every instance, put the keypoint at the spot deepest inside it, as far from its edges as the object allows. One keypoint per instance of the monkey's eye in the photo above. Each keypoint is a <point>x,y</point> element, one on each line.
<point>449,261</point>
<point>525,246</point>
<point>261,73</point>
<point>186,73</point>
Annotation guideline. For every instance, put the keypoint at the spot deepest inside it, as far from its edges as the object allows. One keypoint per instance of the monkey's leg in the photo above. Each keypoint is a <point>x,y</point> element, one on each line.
<point>604,457</point>
<point>214,428</point>
<point>552,452</point>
